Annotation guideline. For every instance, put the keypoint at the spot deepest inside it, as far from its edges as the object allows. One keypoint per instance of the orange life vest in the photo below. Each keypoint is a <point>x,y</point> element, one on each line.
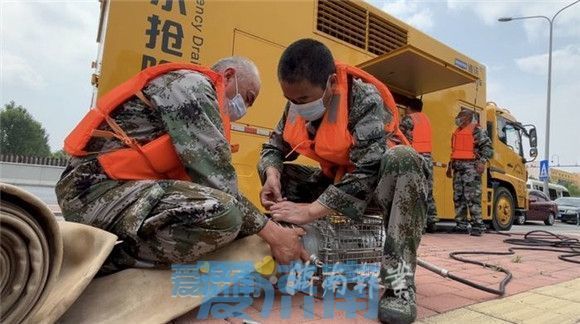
<point>463,144</point>
<point>332,143</point>
<point>154,160</point>
<point>421,133</point>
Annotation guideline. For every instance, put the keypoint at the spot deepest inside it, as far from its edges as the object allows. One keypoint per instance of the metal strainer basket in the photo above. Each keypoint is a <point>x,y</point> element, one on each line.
<point>338,239</point>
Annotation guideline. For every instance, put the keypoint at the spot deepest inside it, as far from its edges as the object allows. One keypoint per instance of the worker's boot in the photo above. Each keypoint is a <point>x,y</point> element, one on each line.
<point>399,307</point>
<point>398,303</point>
<point>460,228</point>
<point>477,229</point>
<point>431,226</point>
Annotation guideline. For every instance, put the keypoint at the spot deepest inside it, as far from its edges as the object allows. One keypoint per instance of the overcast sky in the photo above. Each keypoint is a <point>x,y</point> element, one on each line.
<point>47,48</point>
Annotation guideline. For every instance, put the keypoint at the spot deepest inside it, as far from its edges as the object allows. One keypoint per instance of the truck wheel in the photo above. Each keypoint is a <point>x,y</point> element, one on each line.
<point>550,220</point>
<point>503,209</point>
<point>520,219</point>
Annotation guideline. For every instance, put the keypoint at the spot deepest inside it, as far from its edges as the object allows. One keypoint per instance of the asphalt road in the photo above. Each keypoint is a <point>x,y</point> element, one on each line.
<point>557,228</point>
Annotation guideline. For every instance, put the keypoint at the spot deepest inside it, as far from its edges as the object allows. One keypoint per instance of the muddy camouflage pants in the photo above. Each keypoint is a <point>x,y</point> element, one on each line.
<point>467,193</point>
<point>400,195</point>
<point>162,222</point>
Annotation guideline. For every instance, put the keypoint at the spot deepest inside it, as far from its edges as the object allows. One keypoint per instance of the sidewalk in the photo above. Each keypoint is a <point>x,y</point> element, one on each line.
<point>558,301</point>
<point>530,269</point>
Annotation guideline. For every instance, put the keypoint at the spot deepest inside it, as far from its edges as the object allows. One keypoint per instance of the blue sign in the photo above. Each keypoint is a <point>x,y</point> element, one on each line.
<point>544,168</point>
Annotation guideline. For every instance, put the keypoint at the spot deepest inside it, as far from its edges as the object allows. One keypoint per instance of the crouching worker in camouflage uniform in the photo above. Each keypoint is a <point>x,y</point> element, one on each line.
<point>341,117</point>
<point>470,151</point>
<point>152,164</point>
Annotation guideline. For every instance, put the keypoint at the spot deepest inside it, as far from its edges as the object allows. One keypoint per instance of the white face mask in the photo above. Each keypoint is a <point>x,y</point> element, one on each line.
<point>237,105</point>
<point>311,110</point>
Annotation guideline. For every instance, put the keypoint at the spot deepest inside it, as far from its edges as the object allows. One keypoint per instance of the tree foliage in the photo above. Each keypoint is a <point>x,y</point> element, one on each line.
<point>60,154</point>
<point>572,188</point>
<point>20,134</point>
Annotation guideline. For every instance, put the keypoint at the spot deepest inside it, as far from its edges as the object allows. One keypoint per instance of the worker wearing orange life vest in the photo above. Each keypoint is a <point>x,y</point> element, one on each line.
<point>470,151</point>
<point>151,163</point>
<point>417,129</point>
<point>345,119</point>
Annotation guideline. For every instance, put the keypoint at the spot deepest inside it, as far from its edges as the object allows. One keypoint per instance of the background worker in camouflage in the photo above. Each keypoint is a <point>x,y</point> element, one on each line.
<point>467,172</point>
<point>162,222</point>
<point>407,126</point>
<point>394,178</point>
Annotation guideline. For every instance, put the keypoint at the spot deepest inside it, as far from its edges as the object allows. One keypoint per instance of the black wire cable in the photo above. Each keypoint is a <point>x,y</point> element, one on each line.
<point>559,243</point>
<point>532,241</point>
<point>502,284</point>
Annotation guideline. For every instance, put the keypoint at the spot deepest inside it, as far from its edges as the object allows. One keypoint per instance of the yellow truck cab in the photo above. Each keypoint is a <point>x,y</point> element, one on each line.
<point>136,34</point>
<point>507,171</point>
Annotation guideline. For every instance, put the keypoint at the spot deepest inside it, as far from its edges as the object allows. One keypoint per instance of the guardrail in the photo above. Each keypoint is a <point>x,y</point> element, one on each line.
<point>33,174</point>
<point>36,160</point>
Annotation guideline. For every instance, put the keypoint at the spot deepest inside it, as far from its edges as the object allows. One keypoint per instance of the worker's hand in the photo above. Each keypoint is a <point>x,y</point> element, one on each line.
<point>289,212</point>
<point>271,191</point>
<point>480,167</point>
<point>449,172</point>
<point>285,243</point>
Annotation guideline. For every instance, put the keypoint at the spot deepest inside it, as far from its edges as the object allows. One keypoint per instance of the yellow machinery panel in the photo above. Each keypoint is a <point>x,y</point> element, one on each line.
<point>266,54</point>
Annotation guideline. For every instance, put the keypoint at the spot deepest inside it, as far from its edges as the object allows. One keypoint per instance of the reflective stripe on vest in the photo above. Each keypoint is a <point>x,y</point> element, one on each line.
<point>421,132</point>
<point>463,143</point>
<point>154,160</point>
<point>332,143</point>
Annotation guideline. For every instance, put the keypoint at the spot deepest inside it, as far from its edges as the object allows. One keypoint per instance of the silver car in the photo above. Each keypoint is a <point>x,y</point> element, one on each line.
<point>569,209</point>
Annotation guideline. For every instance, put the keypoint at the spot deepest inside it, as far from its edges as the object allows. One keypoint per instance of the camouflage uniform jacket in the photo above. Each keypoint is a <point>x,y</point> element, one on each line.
<point>366,120</point>
<point>186,108</point>
<point>406,127</point>
<point>483,148</point>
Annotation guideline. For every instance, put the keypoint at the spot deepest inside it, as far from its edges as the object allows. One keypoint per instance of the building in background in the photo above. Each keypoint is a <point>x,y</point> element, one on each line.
<point>556,175</point>
<point>561,176</point>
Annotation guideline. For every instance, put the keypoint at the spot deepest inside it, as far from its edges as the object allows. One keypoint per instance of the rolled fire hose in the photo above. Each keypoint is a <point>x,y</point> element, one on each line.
<point>30,253</point>
<point>45,264</point>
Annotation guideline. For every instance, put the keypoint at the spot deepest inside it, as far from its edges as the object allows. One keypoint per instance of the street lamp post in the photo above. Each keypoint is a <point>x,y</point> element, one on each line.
<point>551,21</point>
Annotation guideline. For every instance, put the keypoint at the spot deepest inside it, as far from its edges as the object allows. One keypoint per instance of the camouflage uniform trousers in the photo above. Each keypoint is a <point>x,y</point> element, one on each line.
<point>161,222</point>
<point>467,193</point>
<point>400,195</point>
<point>431,206</point>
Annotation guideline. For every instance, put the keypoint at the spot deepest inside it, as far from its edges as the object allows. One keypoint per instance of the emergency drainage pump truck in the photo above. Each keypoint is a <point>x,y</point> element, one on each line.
<point>134,35</point>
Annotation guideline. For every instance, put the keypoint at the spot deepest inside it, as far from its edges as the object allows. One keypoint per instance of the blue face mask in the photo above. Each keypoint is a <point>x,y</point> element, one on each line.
<point>237,105</point>
<point>311,110</point>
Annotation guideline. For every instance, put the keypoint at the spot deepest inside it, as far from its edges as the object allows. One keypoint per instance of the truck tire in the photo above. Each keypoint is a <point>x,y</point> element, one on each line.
<point>503,209</point>
<point>551,219</point>
<point>520,219</point>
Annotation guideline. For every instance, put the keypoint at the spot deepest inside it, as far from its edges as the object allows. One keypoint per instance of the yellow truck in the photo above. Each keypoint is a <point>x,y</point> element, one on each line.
<point>506,196</point>
<point>134,35</point>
